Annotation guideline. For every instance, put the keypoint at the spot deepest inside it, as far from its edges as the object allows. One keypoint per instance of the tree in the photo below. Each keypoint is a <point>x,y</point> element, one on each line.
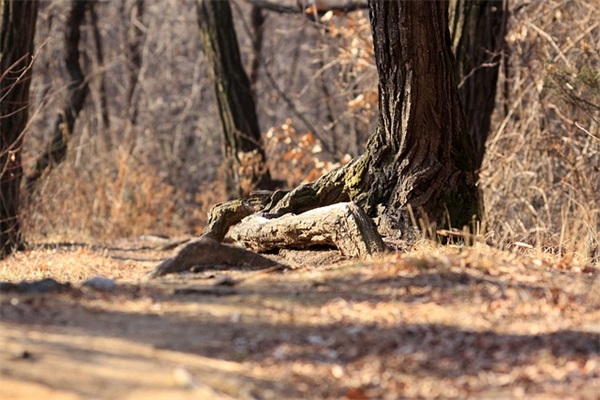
<point>478,28</point>
<point>244,155</point>
<point>56,149</point>
<point>17,28</point>
<point>134,41</point>
<point>419,163</point>
<point>99,59</point>
<point>257,22</point>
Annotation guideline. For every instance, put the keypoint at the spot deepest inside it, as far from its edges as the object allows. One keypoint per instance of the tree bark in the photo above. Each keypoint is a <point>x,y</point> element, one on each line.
<point>17,31</point>
<point>418,168</point>
<point>134,57</point>
<point>242,149</point>
<point>419,163</point>
<point>478,28</point>
<point>418,171</point>
<point>257,22</point>
<point>420,157</point>
<point>343,225</point>
<point>105,117</point>
<point>204,252</point>
<point>56,149</point>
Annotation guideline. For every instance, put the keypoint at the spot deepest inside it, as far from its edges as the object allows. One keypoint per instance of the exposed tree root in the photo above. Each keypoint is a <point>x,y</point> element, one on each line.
<point>344,225</point>
<point>313,214</point>
<point>204,251</point>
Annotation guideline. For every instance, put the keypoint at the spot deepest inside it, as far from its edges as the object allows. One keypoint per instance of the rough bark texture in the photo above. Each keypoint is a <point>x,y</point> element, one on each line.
<point>419,163</point>
<point>17,31</point>
<point>242,149</point>
<point>420,156</point>
<point>223,215</point>
<point>420,159</point>
<point>56,149</point>
<point>478,28</point>
<point>343,225</point>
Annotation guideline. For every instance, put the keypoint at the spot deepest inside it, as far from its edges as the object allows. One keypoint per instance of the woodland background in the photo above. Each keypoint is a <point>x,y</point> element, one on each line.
<point>514,315</point>
<point>316,95</point>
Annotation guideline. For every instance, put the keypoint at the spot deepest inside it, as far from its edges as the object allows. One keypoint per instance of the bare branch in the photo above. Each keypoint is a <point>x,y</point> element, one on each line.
<point>318,8</point>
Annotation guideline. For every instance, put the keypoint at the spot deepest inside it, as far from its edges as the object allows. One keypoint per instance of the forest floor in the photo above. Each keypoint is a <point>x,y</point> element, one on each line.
<point>468,323</point>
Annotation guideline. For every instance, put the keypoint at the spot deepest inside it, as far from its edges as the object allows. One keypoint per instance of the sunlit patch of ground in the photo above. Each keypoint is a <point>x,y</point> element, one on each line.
<point>445,322</point>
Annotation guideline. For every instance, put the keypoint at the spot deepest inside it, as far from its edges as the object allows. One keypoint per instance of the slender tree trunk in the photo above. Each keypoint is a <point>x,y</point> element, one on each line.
<point>17,31</point>
<point>257,22</point>
<point>478,28</point>
<point>100,63</point>
<point>242,149</point>
<point>134,58</point>
<point>56,149</point>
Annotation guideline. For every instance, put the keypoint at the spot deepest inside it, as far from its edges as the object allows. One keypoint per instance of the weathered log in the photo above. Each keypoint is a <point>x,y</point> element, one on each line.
<point>223,215</point>
<point>343,225</point>
<point>207,252</point>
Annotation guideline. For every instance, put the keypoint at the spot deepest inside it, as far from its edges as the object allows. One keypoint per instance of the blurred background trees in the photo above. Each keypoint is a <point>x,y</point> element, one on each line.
<point>157,167</point>
<point>17,32</point>
<point>55,150</point>
<point>243,152</point>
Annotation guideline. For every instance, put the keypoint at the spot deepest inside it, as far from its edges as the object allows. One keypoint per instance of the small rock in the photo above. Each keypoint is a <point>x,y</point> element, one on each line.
<point>184,378</point>
<point>100,283</point>
<point>225,280</point>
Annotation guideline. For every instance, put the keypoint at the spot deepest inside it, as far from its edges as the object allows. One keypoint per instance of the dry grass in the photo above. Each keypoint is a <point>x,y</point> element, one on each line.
<point>76,263</point>
<point>540,178</point>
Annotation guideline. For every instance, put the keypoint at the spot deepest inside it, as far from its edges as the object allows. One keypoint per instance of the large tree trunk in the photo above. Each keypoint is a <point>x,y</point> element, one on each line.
<point>134,42</point>
<point>478,28</point>
<point>418,168</point>
<point>17,30</point>
<point>419,164</point>
<point>244,156</point>
<point>56,149</point>
<point>420,157</point>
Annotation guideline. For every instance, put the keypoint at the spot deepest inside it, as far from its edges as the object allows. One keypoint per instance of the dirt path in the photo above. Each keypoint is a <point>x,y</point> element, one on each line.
<point>477,323</point>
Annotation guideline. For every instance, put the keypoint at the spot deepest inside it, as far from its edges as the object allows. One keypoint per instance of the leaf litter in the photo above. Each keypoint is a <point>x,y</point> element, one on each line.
<point>434,322</point>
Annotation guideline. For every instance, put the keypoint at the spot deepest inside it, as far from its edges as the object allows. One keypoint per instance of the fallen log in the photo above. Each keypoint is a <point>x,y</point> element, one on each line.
<point>343,225</point>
